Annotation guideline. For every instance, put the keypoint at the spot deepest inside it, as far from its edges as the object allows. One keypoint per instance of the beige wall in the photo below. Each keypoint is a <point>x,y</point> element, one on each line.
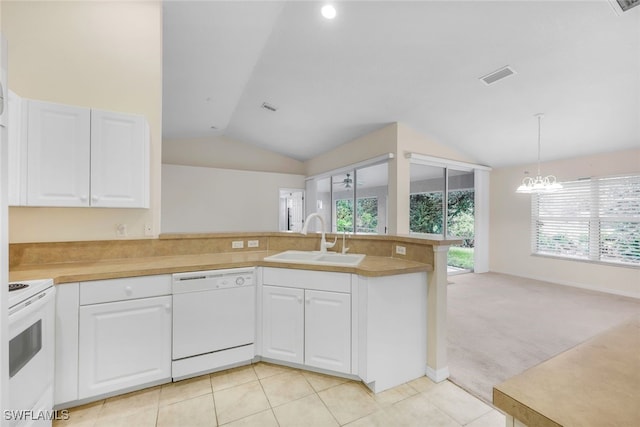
<point>510,240</point>
<point>222,152</point>
<point>105,55</point>
<point>376,143</point>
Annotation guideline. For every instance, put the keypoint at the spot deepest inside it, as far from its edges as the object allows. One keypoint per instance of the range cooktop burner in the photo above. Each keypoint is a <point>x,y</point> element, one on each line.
<point>17,286</point>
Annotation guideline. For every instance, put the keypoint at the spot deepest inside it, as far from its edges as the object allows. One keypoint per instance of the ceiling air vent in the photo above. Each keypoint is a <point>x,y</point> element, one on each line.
<point>269,107</point>
<point>500,74</point>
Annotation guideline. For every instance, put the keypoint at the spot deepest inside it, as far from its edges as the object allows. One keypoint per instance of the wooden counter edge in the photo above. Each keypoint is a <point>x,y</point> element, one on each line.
<point>131,269</point>
<point>519,411</point>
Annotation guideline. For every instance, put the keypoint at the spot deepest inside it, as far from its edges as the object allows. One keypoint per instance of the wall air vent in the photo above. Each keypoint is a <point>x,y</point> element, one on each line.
<point>269,107</point>
<point>500,74</point>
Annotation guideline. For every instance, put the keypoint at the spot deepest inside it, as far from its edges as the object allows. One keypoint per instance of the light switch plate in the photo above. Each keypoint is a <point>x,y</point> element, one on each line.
<point>253,243</point>
<point>401,250</point>
<point>237,244</point>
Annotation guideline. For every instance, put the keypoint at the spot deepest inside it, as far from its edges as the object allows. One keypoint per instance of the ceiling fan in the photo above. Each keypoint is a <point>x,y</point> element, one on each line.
<point>347,182</point>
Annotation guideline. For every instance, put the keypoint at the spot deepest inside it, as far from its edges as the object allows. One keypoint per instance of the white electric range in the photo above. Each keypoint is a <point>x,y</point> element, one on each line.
<point>31,353</point>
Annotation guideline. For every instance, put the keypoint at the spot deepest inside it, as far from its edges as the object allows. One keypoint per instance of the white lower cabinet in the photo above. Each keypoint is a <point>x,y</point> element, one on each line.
<point>307,326</point>
<point>327,330</point>
<point>66,355</point>
<point>392,332</point>
<point>283,323</point>
<point>127,343</point>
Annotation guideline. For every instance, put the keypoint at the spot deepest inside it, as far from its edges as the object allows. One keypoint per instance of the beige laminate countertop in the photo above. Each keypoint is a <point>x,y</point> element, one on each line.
<point>74,272</point>
<point>596,383</point>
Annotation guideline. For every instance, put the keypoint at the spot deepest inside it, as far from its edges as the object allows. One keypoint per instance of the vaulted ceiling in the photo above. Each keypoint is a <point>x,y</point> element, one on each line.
<point>415,62</point>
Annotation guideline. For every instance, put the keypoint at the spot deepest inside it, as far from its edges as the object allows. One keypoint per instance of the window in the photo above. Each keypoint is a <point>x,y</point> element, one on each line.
<point>363,186</point>
<point>366,215</point>
<point>596,219</point>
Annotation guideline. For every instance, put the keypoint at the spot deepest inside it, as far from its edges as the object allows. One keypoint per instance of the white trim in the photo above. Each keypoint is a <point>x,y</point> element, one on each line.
<point>422,159</point>
<point>438,375</point>
<point>369,162</point>
<point>635,295</point>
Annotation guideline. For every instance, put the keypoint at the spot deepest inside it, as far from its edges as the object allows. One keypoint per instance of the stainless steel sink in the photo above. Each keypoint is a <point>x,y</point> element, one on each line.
<point>318,258</point>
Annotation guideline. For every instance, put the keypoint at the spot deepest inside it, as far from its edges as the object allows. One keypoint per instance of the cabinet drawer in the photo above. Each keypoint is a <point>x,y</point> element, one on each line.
<point>100,291</point>
<point>306,279</point>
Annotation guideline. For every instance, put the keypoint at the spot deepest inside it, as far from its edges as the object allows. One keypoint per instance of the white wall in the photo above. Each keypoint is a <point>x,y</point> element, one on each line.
<point>198,199</point>
<point>510,218</point>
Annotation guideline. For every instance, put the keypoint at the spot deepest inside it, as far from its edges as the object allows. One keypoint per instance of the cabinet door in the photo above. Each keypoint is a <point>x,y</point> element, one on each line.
<point>119,160</point>
<point>328,330</point>
<point>124,344</point>
<point>66,359</point>
<point>58,155</point>
<point>283,323</point>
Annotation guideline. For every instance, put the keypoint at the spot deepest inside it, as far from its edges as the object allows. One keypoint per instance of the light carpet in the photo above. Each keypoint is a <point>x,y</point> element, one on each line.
<point>499,325</point>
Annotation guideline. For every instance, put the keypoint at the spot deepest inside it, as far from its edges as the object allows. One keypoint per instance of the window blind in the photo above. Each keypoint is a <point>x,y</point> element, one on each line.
<point>595,219</point>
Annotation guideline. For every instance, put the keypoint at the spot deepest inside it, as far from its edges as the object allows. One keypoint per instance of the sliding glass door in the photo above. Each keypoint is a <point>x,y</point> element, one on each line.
<point>437,193</point>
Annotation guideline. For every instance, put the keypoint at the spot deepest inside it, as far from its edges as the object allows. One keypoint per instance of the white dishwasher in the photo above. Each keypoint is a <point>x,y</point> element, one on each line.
<point>213,320</point>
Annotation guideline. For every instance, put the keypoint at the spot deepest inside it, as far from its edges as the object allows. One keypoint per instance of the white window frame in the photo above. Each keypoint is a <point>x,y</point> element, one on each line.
<point>585,210</point>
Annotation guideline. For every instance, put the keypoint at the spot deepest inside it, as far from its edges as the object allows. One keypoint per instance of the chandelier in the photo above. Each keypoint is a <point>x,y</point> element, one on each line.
<point>539,184</point>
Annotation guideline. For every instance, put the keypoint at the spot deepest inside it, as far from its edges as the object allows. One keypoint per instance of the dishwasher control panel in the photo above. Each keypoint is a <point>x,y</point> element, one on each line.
<point>212,280</point>
<point>233,281</point>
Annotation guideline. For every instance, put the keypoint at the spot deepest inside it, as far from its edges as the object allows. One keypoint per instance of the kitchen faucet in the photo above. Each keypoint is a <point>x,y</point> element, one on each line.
<point>344,248</point>
<point>323,241</point>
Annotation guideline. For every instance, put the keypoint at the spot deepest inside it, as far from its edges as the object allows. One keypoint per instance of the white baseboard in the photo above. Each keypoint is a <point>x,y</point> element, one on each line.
<point>574,284</point>
<point>438,375</point>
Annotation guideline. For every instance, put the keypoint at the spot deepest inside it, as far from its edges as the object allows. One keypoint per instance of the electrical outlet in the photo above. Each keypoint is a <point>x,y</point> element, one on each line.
<point>237,244</point>
<point>148,230</point>
<point>401,250</point>
<point>121,230</point>
<point>253,243</point>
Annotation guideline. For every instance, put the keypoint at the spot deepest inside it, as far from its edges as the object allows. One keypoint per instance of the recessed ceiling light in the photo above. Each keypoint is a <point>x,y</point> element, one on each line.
<point>328,11</point>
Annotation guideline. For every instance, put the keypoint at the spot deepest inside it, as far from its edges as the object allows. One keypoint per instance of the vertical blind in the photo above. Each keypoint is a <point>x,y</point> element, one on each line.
<point>595,219</point>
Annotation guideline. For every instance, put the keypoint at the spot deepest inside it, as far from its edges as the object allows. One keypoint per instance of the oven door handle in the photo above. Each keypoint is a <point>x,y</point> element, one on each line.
<point>28,307</point>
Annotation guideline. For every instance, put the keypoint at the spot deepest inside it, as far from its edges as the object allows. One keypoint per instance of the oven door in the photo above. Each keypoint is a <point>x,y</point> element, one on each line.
<point>31,350</point>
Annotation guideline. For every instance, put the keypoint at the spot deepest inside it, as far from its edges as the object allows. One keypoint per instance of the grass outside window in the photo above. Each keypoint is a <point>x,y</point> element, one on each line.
<point>460,257</point>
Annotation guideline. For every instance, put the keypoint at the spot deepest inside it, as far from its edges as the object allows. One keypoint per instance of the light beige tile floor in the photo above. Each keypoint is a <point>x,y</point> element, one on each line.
<point>266,395</point>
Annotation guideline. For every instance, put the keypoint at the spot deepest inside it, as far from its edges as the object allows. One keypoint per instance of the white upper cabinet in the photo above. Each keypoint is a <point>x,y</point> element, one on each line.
<point>17,151</point>
<point>119,160</point>
<point>58,147</point>
<point>85,157</point>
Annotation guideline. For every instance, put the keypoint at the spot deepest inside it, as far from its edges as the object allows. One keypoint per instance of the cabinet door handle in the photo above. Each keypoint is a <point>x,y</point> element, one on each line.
<point>308,300</point>
<point>167,307</point>
<point>128,290</point>
<point>299,299</point>
<point>83,198</point>
<point>94,198</point>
